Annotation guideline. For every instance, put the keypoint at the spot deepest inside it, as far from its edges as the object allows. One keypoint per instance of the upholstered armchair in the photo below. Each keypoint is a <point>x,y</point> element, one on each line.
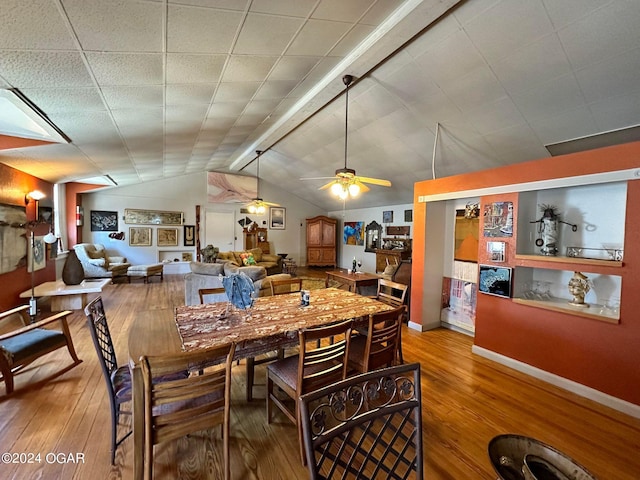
<point>97,263</point>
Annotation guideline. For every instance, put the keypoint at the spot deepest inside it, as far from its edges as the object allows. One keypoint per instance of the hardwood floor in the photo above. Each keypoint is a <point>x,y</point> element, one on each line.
<point>467,400</point>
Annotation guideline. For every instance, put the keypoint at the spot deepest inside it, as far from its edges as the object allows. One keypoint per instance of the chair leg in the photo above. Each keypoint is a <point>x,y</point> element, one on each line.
<point>250,377</point>
<point>115,418</point>
<point>269,393</point>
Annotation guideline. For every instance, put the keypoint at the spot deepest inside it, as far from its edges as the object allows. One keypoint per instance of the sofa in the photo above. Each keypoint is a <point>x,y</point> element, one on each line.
<point>252,257</point>
<point>97,263</point>
<point>208,275</point>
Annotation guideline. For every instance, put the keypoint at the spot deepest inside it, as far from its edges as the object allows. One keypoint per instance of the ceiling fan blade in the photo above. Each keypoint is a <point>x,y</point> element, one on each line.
<point>316,178</point>
<point>272,204</point>
<point>375,181</point>
<point>327,185</point>
<point>363,187</point>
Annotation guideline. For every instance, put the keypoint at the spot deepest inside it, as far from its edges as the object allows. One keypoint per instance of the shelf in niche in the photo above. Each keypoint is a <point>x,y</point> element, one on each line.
<point>562,305</point>
<point>525,259</point>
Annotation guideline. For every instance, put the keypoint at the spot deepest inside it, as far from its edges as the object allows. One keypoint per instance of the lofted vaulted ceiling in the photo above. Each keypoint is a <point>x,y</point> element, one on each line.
<point>151,89</point>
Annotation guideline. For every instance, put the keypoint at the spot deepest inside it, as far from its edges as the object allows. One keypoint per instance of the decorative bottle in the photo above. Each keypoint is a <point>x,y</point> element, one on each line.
<point>354,265</point>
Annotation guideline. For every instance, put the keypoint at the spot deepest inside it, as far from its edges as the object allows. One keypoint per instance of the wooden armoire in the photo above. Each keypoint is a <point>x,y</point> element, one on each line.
<point>321,241</point>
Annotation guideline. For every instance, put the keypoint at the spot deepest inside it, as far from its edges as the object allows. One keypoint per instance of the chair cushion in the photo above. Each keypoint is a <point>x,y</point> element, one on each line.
<point>20,347</point>
<point>286,369</point>
<point>121,381</point>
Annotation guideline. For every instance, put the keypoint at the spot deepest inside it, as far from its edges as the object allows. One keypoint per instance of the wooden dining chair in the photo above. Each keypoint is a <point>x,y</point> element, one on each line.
<point>311,369</point>
<point>379,347</point>
<point>394,294</point>
<point>287,285</point>
<point>23,342</point>
<point>175,408</point>
<point>210,291</point>
<point>366,426</point>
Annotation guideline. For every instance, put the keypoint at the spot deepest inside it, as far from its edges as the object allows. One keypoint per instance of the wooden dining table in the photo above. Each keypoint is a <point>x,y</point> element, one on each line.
<point>271,323</point>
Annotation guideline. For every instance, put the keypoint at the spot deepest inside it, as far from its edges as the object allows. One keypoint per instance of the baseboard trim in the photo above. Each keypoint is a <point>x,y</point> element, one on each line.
<point>607,400</point>
<point>422,328</point>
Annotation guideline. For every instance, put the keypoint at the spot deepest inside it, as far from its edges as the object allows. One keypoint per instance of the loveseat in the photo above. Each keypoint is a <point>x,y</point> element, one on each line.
<point>207,275</point>
<point>97,263</point>
<point>252,257</point>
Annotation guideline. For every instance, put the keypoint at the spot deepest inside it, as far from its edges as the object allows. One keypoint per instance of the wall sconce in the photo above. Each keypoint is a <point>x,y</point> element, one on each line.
<point>36,196</point>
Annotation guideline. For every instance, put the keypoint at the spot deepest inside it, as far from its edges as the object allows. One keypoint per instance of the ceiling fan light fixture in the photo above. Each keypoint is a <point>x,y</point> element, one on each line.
<point>354,190</point>
<point>336,188</point>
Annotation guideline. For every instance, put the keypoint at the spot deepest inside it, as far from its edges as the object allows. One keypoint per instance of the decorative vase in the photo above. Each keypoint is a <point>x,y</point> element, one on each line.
<point>72,272</point>
<point>579,286</point>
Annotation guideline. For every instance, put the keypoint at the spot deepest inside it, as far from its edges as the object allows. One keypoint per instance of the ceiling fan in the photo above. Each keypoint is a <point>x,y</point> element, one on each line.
<point>346,183</point>
<point>258,205</point>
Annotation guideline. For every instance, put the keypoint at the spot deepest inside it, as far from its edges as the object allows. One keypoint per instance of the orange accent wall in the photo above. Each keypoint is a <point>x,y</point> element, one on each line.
<point>14,185</point>
<point>74,198</point>
<point>597,354</point>
<point>7,142</point>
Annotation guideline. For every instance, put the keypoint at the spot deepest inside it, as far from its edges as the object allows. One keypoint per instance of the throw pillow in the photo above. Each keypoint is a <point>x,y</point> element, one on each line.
<point>257,254</point>
<point>247,259</point>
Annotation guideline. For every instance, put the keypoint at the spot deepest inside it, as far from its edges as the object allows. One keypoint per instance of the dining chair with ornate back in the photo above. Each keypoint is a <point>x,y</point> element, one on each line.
<point>23,342</point>
<point>118,379</point>
<point>366,426</point>
<point>175,408</point>
<point>278,287</point>
<point>312,368</point>
<point>210,291</point>
<point>379,348</point>
<point>394,294</point>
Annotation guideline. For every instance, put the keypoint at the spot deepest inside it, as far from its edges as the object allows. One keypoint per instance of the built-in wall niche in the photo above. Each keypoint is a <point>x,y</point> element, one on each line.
<point>549,289</point>
<point>598,211</point>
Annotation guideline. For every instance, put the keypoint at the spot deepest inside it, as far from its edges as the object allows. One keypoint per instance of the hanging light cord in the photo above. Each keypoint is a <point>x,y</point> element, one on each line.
<point>433,157</point>
<point>346,123</point>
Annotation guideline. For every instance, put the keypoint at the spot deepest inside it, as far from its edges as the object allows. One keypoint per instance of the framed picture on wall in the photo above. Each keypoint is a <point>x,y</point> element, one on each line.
<point>167,237</point>
<point>277,217</point>
<point>387,216</point>
<point>189,235</point>
<point>140,236</point>
<point>495,280</point>
<point>103,221</point>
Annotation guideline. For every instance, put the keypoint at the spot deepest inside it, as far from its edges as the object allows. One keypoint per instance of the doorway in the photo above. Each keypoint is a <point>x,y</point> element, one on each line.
<point>220,230</point>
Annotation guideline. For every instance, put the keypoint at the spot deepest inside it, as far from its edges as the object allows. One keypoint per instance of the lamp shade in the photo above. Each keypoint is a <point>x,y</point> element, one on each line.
<point>50,238</point>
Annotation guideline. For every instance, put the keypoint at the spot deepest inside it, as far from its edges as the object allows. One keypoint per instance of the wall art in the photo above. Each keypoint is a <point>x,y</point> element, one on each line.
<point>152,217</point>
<point>387,216</point>
<point>140,236</point>
<point>104,221</point>
<point>495,280</point>
<point>277,218</point>
<point>189,235</point>
<point>498,219</point>
<point>229,188</point>
<point>353,233</point>
<point>167,237</point>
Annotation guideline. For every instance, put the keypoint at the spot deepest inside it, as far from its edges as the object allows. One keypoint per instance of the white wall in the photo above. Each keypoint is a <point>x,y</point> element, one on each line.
<point>183,193</point>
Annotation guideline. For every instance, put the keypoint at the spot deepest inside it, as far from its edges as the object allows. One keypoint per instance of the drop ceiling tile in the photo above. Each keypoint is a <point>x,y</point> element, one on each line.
<point>138,96</point>
<point>497,38</point>
<point>618,75</point>
<point>189,94</point>
<point>379,12</point>
<point>224,4</point>
<point>248,68</point>
<point>436,62</point>
<point>60,100</point>
<point>275,90</point>
<point>185,68</point>
<point>568,11</point>
<point>550,98</point>
<point>261,107</point>
<point>44,69</point>
<point>341,11</point>
<point>33,25</point>
<point>617,112</point>
<point>567,126</point>
<point>532,65</point>
<point>494,116</point>
<point>318,37</point>
<point>351,40</point>
<point>293,8</point>
<point>111,25</point>
<point>139,121</point>
<point>479,87</point>
<point>604,33</point>
<point>236,92</point>
<point>266,34</point>
<point>293,68</point>
<point>433,36</point>
<point>126,69</point>
<point>226,109</point>
<point>186,113</point>
<point>201,30</point>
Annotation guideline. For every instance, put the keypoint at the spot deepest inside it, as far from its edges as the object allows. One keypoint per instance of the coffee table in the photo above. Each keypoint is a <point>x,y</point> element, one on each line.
<point>67,297</point>
<point>354,280</point>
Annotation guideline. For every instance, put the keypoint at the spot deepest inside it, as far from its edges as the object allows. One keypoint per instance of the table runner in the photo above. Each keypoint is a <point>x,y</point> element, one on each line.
<point>271,322</point>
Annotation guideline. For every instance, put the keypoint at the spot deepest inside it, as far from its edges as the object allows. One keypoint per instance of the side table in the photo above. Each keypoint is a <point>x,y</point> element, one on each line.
<point>289,266</point>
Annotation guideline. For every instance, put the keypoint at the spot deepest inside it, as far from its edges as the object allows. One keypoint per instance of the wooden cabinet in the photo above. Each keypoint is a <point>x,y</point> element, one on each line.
<point>321,241</point>
<point>256,238</point>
